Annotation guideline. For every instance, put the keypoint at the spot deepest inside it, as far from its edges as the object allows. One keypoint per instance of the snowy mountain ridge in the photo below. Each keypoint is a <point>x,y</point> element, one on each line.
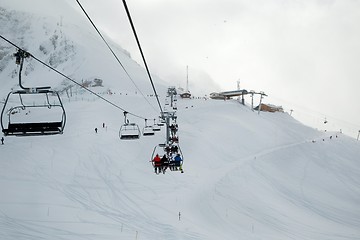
<point>72,48</point>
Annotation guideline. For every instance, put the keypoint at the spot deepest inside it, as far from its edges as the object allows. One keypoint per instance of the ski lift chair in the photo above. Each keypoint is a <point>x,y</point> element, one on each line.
<point>156,151</point>
<point>173,166</point>
<point>162,122</point>
<point>156,127</point>
<point>129,130</point>
<point>31,112</point>
<point>148,130</point>
<point>177,165</point>
<point>33,119</point>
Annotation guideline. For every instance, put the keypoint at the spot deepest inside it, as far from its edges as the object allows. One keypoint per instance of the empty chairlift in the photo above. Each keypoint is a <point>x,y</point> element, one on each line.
<point>32,111</point>
<point>162,122</point>
<point>148,130</point>
<point>129,130</point>
<point>156,127</point>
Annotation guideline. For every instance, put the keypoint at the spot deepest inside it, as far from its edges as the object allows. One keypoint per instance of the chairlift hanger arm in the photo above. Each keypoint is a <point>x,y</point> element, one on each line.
<point>21,101</point>
<point>20,55</point>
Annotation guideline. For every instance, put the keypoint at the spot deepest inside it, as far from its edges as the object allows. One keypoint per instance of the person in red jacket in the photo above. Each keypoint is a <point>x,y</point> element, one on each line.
<point>157,163</point>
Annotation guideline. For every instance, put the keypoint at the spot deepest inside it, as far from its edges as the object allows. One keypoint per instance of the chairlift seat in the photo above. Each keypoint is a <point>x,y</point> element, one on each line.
<point>41,128</point>
<point>31,126</point>
<point>148,131</point>
<point>156,128</point>
<point>129,131</point>
<point>175,165</point>
<point>126,136</point>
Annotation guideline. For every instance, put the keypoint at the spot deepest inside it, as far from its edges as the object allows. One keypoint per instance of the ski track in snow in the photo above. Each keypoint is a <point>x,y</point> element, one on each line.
<point>101,192</point>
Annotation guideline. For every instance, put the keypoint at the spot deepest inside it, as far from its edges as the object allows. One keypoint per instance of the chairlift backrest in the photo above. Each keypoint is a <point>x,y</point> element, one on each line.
<point>148,131</point>
<point>23,113</point>
<point>129,131</point>
<point>31,123</point>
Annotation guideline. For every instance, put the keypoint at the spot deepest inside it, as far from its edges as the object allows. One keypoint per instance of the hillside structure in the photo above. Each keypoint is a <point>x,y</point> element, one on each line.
<point>185,95</point>
<point>228,94</point>
<point>269,108</point>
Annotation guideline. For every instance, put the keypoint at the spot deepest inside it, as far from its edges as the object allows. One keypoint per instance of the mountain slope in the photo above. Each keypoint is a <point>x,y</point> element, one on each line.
<point>95,186</point>
<point>70,45</point>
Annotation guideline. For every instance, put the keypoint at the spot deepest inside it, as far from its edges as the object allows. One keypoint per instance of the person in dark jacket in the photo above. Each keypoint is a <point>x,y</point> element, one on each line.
<point>2,140</point>
<point>173,129</point>
<point>174,149</point>
<point>164,163</point>
<point>167,149</point>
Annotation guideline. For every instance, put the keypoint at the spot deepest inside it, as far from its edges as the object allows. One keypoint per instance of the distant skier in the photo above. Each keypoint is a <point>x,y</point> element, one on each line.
<point>96,130</point>
<point>2,140</point>
<point>103,125</point>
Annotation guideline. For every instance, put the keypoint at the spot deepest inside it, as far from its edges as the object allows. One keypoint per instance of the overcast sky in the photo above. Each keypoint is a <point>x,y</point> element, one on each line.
<point>305,54</point>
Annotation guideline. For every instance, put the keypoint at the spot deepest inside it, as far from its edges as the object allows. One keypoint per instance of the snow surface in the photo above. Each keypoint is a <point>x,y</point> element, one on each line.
<point>247,176</point>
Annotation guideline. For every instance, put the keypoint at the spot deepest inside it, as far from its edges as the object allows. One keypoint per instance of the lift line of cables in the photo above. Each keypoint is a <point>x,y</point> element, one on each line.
<point>316,114</point>
<point>142,54</point>
<point>68,78</point>
<point>117,59</point>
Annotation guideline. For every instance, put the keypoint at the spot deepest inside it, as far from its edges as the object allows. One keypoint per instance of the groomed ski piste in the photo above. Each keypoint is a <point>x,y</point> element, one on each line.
<point>246,175</point>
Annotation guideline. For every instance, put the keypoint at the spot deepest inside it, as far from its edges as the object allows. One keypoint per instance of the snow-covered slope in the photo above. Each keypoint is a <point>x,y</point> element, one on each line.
<point>247,176</point>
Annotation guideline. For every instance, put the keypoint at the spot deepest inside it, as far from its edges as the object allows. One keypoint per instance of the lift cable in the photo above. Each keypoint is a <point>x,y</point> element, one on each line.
<point>68,78</point>
<point>314,113</point>
<point>113,53</point>
<point>142,54</point>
